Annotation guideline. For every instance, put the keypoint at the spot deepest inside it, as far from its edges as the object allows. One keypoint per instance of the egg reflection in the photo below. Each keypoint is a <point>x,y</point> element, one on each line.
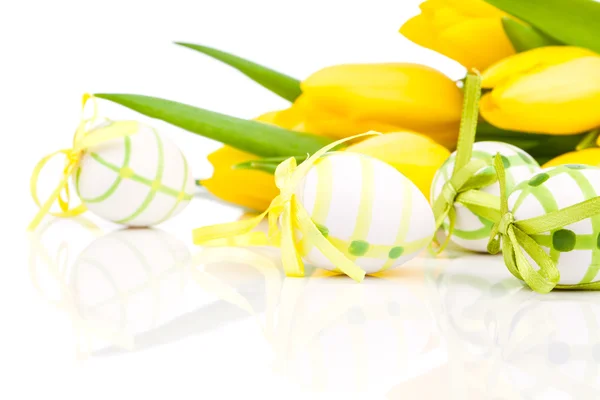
<point>130,281</point>
<point>505,341</point>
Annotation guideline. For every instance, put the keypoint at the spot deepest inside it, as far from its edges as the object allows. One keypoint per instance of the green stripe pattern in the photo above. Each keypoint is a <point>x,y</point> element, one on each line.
<point>546,190</point>
<point>357,247</point>
<point>124,172</point>
<point>473,231</point>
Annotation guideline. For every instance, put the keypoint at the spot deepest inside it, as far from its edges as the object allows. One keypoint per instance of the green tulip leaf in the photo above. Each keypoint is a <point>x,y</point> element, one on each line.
<point>278,83</point>
<point>573,22</point>
<point>525,37</point>
<point>251,136</point>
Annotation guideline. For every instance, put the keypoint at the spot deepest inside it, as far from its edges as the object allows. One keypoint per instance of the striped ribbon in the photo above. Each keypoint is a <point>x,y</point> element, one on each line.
<point>86,136</point>
<point>464,185</point>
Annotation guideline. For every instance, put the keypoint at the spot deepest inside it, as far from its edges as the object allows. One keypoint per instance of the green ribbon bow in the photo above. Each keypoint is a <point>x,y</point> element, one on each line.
<point>464,185</point>
<point>514,238</point>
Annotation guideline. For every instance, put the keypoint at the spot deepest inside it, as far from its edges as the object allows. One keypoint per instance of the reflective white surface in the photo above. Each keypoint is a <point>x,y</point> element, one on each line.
<point>227,321</point>
<point>92,314</point>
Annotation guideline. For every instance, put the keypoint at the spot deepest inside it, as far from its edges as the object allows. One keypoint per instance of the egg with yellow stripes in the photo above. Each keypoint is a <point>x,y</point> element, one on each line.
<point>137,180</point>
<point>574,248</point>
<point>367,209</point>
<point>471,231</point>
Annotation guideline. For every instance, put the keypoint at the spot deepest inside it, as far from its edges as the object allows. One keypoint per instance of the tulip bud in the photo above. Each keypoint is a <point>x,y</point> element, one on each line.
<point>554,90</point>
<point>468,31</point>
<point>346,100</point>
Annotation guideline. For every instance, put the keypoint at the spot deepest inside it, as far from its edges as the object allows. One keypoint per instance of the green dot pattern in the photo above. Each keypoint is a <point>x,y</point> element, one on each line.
<point>396,252</point>
<point>323,229</point>
<point>564,240</point>
<point>358,248</point>
<point>538,179</point>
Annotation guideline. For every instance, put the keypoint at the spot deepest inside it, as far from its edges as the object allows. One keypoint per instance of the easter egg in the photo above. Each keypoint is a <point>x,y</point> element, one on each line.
<point>367,209</point>
<point>575,248</point>
<point>471,231</point>
<point>137,180</point>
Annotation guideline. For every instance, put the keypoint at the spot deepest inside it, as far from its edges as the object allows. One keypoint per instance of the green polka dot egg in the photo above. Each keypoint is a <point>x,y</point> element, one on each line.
<point>574,248</point>
<point>138,180</point>
<point>367,209</point>
<point>472,232</point>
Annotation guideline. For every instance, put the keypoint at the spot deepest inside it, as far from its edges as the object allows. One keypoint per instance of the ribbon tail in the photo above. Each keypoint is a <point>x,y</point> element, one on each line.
<point>580,286</point>
<point>45,208</point>
<point>238,232</point>
<point>314,236</point>
<point>292,262</point>
<point>451,215</point>
<point>508,252</point>
<point>542,281</point>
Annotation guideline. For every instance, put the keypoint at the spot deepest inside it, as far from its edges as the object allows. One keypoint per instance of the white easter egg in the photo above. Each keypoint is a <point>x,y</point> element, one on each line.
<point>137,180</point>
<point>575,248</point>
<point>367,209</point>
<point>471,231</point>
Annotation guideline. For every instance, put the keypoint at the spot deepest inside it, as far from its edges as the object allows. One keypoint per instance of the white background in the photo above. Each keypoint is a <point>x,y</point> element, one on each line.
<point>53,51</point>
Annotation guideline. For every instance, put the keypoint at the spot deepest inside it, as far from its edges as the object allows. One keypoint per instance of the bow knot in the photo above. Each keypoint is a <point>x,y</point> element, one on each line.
<point>505,222</point>
<point>286,216</point>
<point>449,192</point>
<point>513,238</point>
<point>464,188</point>
<point>82,141</point>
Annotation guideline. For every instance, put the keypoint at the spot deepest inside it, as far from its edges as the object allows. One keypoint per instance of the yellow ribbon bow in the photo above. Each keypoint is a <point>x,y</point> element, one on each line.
<point>87,135</point>
<point>514,239</point>
<point>287,211</point>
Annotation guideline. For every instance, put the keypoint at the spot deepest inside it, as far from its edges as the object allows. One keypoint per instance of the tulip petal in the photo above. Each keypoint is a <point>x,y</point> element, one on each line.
<point>589,156</point>
<point>559,99</point>
<point>477,43</point>
<point>468,31</point>
<point>414,155</point>
<point>400,94</point>
<point>529,62</point>
<point>248,188</point>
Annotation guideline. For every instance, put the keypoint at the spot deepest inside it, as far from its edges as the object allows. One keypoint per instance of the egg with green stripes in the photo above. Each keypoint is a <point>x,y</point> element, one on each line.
<point>574,248</point>
<point>471,231</point>
<point>137,180</point>
<point>367,209</point>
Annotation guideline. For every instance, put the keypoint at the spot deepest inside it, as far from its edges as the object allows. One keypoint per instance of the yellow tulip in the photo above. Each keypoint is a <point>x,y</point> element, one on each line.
<point>249,188</point>
<point>346,100</point>
<point>468,31</point>
<point>589,156</point>
<point>554,90</point>
<point>416,156</point>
